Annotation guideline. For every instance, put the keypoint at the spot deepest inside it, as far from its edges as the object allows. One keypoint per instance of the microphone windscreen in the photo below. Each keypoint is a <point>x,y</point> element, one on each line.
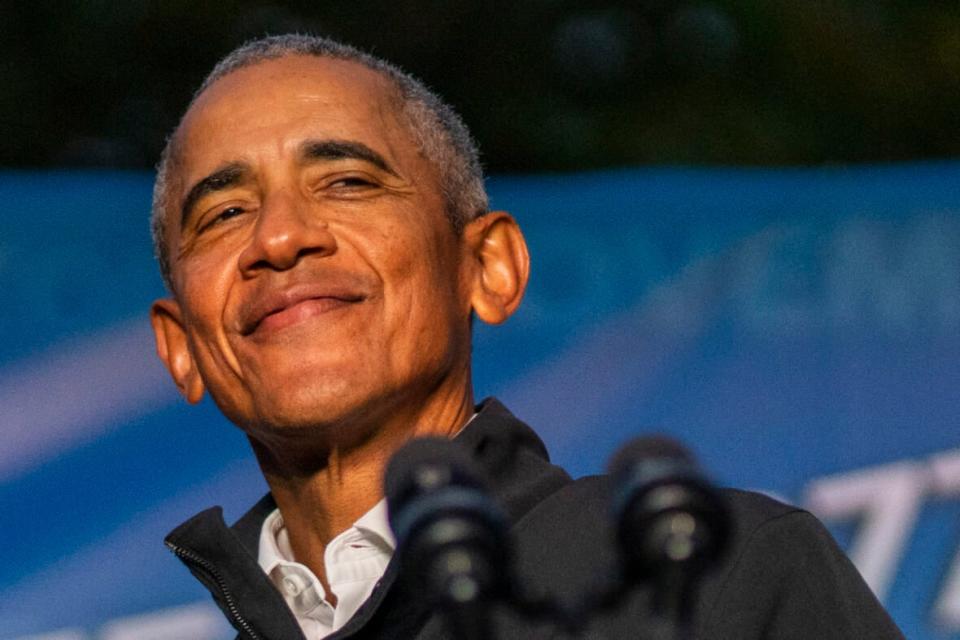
<point>451,537</point>
<point>424,465</point>
<point>667,512</point>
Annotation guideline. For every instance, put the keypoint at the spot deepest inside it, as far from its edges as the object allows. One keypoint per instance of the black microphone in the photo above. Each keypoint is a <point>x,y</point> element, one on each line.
<point>672,524</point>
<point>452,538</point>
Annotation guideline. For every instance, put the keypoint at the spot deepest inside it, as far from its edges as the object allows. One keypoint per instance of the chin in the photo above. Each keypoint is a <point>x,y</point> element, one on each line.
<point>315,408</point>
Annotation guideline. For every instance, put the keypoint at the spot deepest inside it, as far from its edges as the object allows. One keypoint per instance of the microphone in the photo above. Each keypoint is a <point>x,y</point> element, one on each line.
<point>672,524</point>
<point>451,536</point>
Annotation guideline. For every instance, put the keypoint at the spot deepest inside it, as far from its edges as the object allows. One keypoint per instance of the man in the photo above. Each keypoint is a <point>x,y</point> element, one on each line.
<point>321,224</point>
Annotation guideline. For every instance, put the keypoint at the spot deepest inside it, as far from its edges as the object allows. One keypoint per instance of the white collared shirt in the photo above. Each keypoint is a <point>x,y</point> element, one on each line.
<point>355,560</point>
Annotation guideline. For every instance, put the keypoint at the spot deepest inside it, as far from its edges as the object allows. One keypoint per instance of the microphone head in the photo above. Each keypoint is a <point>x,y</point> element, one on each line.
<point>426,465</point>
<point>647,448</point>
<point>452,538</point>
<point>667,512</point>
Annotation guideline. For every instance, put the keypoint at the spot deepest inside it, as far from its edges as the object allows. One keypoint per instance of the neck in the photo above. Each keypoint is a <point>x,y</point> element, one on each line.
<point>321,500</point>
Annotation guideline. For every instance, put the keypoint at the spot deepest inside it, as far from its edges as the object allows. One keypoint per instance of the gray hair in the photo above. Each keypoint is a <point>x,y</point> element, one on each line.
<point>439,132</point>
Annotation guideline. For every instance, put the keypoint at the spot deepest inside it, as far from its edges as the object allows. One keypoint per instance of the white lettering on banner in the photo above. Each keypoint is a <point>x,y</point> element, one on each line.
<point>887,499</point>
<point>897,277</point>
<point>901,277</point>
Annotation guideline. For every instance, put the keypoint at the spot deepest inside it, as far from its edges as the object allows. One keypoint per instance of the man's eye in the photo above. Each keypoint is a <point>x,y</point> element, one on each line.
<point>350,182</point>
<point>230,212</point>
<point>226,214</point>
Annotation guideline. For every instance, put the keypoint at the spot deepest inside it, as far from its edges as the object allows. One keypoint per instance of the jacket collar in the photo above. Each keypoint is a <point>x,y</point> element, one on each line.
<point>225,558</point>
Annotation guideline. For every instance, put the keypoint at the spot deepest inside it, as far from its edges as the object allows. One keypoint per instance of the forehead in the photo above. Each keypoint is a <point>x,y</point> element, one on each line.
<point>270,106</point>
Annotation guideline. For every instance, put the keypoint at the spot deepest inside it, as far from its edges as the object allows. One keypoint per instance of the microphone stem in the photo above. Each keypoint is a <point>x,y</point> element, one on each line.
<point>470,622</point>
<point>673,598</point>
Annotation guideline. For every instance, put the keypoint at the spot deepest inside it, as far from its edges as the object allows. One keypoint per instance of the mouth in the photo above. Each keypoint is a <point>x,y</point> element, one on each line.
<point>276,311</point>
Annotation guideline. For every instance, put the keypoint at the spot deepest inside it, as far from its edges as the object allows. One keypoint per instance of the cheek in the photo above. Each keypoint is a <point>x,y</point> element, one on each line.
<point>205,290</point>
<point>205,282</point>
<point>202,306</point>
<point>421,289</point>
<point>418,275</point>
<point>211,260</point>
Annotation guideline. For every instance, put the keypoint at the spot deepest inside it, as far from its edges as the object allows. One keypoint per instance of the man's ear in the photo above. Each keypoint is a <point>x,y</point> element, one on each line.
<point>502,265</point>
<point>172,347</point>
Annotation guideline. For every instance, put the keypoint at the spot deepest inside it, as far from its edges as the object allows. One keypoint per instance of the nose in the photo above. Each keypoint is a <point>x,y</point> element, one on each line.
<point>286,231</point>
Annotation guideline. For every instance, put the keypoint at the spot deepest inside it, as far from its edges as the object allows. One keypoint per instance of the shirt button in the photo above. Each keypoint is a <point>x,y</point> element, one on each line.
<point>293,585</point>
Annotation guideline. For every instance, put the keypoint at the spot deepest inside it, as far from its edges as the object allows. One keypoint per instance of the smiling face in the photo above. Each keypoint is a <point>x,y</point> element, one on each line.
<point>317,279</point>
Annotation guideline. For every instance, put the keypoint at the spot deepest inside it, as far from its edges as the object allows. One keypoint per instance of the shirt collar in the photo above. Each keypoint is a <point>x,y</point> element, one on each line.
<point>274,548</point>
<point>376,523</point>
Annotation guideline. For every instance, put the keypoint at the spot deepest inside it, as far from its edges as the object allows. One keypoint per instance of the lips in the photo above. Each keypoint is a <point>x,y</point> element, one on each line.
<point>274,310</point>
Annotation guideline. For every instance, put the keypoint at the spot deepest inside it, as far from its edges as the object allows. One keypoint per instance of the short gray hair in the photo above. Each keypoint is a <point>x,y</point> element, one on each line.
<point>438,131</point>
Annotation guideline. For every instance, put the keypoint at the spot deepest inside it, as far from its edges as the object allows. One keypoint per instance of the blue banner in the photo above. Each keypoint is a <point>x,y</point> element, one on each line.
<point>799,329</point>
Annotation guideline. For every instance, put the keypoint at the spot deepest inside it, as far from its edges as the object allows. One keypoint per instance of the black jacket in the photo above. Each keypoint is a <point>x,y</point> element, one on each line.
<point>783,578</point>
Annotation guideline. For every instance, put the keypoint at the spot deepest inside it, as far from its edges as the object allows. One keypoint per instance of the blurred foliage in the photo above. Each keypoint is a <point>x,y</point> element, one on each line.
<point>544,84</point>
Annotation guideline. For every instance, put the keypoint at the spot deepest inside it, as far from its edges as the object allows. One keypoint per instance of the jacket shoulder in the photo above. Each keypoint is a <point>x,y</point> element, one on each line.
<point>782,576</point>
<point>785,577</point>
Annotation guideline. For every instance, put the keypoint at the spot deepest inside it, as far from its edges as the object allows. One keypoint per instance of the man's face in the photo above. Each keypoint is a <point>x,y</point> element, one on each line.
<point>315,272</point>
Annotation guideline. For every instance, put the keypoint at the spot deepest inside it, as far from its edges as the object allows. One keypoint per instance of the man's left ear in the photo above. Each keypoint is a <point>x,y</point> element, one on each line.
<point>502,265</point>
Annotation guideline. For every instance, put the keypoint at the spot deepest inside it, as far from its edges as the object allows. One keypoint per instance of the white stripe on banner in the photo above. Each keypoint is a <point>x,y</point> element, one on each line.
<point>200,621</point>
<point>97,579</point>
<point>66,634</point>
<point>76,392</point>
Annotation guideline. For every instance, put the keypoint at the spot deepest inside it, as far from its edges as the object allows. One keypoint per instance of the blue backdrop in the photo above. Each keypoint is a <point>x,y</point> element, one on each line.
<point>799,329</point>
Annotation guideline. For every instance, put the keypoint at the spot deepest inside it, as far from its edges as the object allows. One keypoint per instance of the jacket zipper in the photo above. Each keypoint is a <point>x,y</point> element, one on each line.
<point>189,556</point>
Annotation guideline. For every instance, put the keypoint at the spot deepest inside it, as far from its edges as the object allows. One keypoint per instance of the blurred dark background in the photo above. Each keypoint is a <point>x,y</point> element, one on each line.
<point>544,84</point>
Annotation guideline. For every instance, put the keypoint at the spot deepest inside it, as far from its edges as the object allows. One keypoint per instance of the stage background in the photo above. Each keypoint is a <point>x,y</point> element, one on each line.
<point>798,328</point>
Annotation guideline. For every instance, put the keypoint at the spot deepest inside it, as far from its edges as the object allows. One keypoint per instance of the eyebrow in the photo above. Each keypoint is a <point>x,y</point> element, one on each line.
<point>227,176</point>
<point>234,173</point>
<point>311,150</point>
